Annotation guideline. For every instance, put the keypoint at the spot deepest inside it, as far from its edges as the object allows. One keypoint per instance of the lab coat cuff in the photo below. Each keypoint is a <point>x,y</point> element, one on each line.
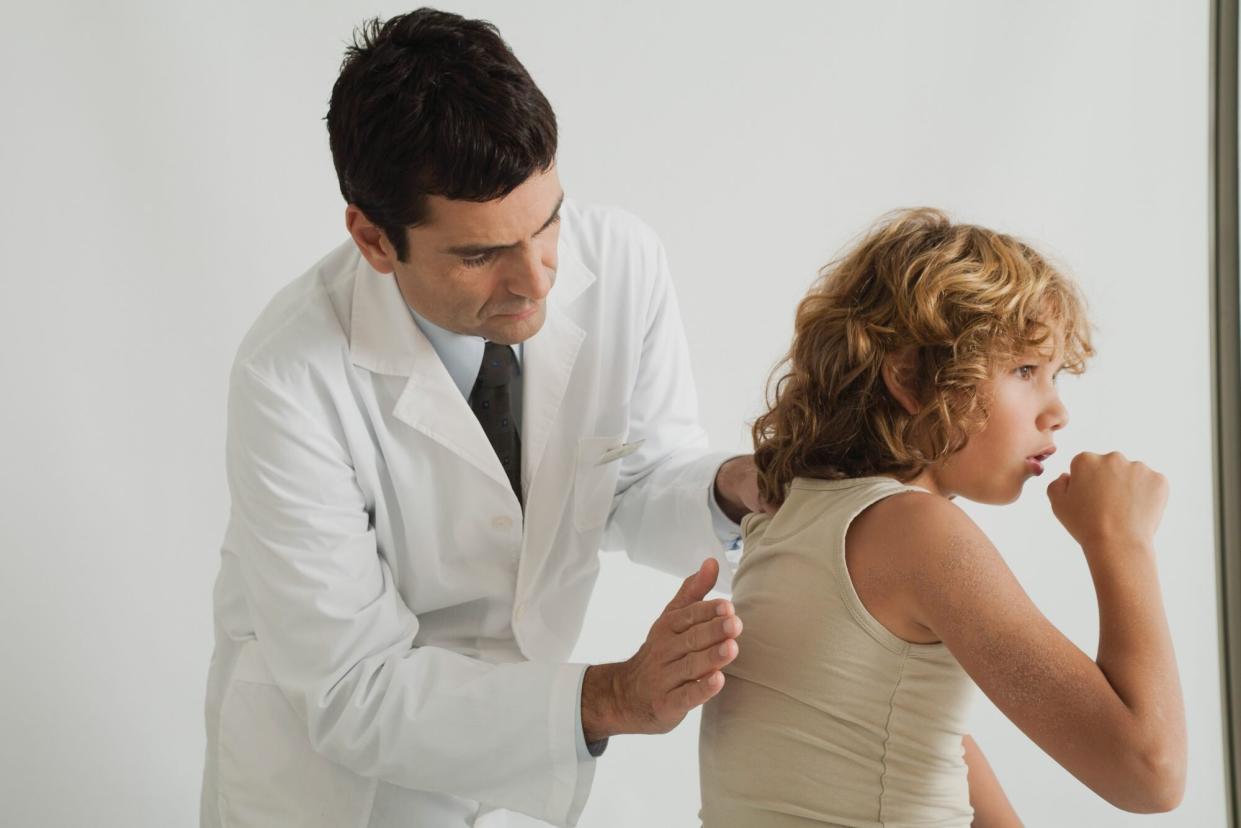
<point>699,476</point>
<point>726,529</point>
<point>582,773</point>
<point>705,470</point>
<point>585,750</point>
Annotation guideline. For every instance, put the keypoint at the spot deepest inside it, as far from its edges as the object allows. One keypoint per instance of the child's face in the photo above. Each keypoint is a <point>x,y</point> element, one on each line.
<point>1026,411</point>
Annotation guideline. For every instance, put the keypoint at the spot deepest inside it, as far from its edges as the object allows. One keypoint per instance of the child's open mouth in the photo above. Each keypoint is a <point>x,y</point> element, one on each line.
<point>1035,462</point>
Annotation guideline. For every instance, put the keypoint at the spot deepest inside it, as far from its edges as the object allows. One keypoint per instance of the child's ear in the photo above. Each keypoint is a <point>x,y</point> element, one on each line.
<point>898,370</point>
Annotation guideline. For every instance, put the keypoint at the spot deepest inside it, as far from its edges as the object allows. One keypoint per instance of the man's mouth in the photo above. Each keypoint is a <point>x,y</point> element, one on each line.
<point>518,315</point>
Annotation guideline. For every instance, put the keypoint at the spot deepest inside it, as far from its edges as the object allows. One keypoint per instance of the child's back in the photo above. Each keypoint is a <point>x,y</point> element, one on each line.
<point>928,354</point>
<point>828,718</point>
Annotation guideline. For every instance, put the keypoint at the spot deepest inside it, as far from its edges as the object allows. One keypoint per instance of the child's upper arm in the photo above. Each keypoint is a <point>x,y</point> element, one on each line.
<point>959,587</point>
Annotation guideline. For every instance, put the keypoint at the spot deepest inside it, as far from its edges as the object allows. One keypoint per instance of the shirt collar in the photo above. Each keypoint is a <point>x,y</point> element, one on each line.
<point>462,354</point>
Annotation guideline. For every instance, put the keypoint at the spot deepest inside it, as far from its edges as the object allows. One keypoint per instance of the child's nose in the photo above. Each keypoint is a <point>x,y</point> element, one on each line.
<point>1056,416</point>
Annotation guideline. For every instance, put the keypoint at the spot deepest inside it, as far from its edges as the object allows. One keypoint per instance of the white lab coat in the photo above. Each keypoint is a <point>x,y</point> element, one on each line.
<point>391,634</point>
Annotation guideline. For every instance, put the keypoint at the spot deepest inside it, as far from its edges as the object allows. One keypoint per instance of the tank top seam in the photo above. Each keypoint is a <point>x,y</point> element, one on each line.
<point>887,738</point>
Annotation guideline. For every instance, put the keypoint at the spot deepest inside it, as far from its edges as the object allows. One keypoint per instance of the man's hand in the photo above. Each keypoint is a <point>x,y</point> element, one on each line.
<point>677,669</point>
<point>736,488</point>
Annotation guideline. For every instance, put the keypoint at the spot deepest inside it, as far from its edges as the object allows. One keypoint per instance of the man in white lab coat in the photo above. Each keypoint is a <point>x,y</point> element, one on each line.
<point>430,435</point>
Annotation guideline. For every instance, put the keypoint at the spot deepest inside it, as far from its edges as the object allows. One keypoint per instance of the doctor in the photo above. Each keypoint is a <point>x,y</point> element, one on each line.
<point>430,435</point>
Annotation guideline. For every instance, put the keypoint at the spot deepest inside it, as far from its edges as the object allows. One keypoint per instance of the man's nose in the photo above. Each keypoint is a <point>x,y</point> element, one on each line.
<point>532,277</point>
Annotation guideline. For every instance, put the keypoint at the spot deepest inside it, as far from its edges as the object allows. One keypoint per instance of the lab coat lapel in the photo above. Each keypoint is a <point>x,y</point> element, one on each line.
<point>384,339</point>
<point>547,362</point>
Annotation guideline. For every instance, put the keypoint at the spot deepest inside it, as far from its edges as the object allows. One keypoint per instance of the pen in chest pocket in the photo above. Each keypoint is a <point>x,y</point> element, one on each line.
<point>619,452</point>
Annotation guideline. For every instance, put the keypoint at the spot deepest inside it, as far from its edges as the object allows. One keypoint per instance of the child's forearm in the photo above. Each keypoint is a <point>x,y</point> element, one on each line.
<point>1136,655</point>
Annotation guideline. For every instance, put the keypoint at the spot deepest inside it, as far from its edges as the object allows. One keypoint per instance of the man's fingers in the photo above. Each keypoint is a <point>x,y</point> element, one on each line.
<point>696,586</point>
<point>702,663</point>
<point>709,634</point>
<point>682,619</point>
<point>686,648</point>
<point>693,693</point>
<point>706,635</point>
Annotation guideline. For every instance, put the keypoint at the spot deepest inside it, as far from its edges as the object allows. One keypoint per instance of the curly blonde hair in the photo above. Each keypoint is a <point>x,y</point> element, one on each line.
<point>952,303</point>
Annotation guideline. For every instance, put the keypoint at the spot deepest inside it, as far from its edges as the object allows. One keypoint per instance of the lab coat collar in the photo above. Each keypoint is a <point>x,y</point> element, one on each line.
<point>462,354</point>
<point>549,358</point>
<point>385,339</point>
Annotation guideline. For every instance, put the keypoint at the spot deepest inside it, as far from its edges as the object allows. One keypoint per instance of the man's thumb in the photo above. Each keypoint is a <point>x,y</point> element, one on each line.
<point>695,587</point>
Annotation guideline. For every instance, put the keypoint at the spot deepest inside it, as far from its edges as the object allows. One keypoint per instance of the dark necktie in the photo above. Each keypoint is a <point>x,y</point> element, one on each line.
<point>491,402</point>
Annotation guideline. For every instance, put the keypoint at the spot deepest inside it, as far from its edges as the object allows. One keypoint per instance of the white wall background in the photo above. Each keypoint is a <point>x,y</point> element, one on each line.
<point>165,169</point>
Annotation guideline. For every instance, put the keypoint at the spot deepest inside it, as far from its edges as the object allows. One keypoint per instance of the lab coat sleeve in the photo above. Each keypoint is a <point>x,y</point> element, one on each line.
<point>338,638</point>
<point>661,513</point>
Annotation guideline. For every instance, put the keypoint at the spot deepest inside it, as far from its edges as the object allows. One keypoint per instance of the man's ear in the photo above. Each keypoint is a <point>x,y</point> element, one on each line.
<point>898,371</point>
<point>371,241</point>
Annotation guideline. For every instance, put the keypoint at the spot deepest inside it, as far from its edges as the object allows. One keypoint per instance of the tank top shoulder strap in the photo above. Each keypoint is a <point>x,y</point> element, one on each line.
<point>838,503</point>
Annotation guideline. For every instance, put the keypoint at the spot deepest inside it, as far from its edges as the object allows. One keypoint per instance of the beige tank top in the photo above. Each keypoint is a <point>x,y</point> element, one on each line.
<point>827,718</point>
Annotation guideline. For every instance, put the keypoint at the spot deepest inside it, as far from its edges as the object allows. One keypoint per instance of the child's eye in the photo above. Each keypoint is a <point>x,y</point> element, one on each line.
<point>1026,371</point>
<point>479,260</point>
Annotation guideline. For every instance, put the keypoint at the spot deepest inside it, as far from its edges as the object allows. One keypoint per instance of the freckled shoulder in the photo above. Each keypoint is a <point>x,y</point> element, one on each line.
<point>912,525</point>
<point>907,546</point>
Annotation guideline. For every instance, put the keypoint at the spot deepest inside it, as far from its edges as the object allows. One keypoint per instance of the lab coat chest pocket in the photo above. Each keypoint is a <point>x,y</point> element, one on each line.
<point>594,483</point>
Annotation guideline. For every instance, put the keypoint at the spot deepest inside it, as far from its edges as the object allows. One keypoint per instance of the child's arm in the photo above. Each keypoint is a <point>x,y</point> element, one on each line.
<point>1116,723</point>
<point>991,807</point>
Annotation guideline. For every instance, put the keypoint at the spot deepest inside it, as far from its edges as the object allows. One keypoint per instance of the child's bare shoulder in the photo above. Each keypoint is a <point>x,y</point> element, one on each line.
<point>916,528</point>
<point>912,550</point>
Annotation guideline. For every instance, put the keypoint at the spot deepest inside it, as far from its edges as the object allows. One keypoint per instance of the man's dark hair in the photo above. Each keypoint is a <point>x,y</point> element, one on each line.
<point>430,103</point>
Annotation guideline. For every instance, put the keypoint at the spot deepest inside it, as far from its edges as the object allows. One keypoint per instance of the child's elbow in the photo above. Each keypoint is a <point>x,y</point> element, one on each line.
<point>1167,781</point>
<point>1158,783</point>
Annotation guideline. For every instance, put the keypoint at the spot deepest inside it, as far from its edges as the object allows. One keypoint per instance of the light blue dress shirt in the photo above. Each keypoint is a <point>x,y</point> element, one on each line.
<point>462,355</point>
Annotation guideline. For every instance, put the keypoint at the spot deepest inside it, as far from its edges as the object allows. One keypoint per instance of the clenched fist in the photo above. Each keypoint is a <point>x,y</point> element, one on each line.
<point>1106,500</point>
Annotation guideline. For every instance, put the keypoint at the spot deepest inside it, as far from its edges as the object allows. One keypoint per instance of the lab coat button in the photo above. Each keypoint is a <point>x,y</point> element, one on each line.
<point>502,522</point>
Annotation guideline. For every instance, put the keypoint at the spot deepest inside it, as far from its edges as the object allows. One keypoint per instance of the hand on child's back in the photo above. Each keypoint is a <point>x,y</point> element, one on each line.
<point>1106,500</point>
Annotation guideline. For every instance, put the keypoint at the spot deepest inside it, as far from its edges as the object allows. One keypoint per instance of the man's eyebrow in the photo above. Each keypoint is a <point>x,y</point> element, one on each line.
<point>555,215</point>
<point>471,250</point>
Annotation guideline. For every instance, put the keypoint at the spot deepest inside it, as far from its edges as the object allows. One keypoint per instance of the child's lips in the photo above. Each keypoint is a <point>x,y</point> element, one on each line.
<point>1035,462</point>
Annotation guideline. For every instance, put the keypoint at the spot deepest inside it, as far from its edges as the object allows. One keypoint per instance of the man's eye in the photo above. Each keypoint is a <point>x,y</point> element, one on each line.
<point>477,261</point>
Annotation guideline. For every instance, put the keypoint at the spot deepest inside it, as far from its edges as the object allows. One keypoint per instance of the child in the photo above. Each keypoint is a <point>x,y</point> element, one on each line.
<point>923,367</point>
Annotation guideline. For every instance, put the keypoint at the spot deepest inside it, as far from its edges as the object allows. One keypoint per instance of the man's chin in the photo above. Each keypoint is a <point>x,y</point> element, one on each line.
<point>507,331</point>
